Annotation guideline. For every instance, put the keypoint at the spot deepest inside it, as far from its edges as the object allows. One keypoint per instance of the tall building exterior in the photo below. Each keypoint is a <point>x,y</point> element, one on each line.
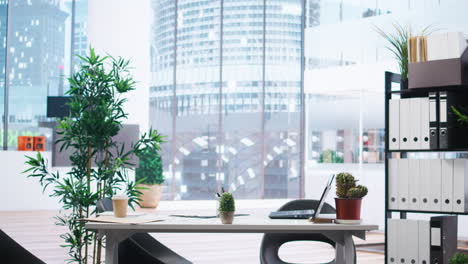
<point>226,86</point>
<point>36,53</point>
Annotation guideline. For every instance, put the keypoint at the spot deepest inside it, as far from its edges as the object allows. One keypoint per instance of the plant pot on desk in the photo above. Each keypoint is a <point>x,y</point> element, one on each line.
<point>348,210</point>
<point>150,195</point>
<point>226,217</point>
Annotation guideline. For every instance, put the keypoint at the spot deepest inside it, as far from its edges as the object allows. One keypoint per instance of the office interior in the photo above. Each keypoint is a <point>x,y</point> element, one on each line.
<point>263,99</point>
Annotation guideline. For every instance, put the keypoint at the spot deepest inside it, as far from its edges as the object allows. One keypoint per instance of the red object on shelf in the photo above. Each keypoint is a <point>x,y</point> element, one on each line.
<point>25,143</point>
<point>39,143</point>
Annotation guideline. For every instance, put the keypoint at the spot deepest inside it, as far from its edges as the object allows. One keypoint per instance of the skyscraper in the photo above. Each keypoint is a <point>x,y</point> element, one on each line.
<point>226,85</point>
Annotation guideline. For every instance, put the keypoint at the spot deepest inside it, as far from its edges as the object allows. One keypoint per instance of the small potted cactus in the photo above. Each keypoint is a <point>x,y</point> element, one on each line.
<point>226,208</point>
<point>349,198</point>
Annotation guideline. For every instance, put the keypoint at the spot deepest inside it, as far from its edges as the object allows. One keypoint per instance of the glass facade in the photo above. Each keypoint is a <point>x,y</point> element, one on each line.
<point>39,54</point>
<point>226,87</point>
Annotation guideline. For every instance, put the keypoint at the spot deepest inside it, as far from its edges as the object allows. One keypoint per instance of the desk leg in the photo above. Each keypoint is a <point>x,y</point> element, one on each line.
<point>113,238</point>
<point>345,249</point>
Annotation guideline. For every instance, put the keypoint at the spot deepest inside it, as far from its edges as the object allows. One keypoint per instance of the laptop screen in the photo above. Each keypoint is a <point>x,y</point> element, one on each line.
<point>324,196</point>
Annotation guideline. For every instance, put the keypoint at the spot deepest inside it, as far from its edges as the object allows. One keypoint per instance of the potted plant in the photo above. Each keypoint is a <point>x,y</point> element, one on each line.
<point>349,198</point>
<point>459,258</point>
<point>226,208</point>
<point>398,46</point>
<point>99,162</point>
<point>150,176</point>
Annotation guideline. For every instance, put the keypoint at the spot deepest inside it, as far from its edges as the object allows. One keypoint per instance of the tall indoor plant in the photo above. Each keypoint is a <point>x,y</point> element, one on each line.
<point>349,198</point>
<point>99,164</point>
<point>150,176</point>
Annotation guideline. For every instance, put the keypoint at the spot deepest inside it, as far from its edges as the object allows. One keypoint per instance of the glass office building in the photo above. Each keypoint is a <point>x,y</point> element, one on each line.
<point>226,88</point>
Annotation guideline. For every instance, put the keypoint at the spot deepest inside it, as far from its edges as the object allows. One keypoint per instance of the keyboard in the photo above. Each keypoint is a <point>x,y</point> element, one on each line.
<point>294,214</point>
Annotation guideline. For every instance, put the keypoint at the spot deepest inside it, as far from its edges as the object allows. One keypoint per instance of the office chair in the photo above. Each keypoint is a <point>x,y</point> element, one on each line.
<point>142,248</point>
<point>271,243</point>
<point>11,252</point>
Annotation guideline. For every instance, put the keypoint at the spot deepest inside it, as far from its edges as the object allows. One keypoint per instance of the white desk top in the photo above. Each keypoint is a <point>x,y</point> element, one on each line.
<point>242,224</point>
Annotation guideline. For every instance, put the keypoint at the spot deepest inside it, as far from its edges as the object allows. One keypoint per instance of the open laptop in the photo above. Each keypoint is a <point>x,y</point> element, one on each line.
<point>306,214</point>
<point>324,217</point>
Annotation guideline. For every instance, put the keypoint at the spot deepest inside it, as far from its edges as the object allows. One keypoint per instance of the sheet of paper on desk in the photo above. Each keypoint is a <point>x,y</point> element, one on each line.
<point>147,218</point>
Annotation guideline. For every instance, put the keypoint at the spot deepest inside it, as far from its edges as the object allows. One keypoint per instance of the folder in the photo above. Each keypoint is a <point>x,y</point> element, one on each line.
<point>443,238</point>
<point>424,248</point>
<point>435,185</point>
<point>394,124</point>
<point>414,185</point>
<point>412,236</point>
<point>447,185</point>
<point>433,121</point>
<point>443,133</point>
<point>415,123</point>
<point>456,43</point>
<point>403,184</point>
<point>392,184</point>
<point>405,130</point>
<point>425,185</point>
<point>392,241</point>
<point>460,185</point>
<point>424,123</point>
<point>437,46</point>
<point>402,245</point>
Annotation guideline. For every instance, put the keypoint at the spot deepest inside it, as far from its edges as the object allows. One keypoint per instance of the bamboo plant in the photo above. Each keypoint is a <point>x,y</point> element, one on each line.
<point>99,164</point>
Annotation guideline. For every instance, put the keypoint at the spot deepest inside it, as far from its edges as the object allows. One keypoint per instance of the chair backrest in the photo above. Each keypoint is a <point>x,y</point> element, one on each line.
<point>12,252</point>
<point>104,205</point>
<point>306,204</point>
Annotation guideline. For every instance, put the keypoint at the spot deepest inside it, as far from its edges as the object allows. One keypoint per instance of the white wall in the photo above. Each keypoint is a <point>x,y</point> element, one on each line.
<point>19,192</point>
<point>121,28</point>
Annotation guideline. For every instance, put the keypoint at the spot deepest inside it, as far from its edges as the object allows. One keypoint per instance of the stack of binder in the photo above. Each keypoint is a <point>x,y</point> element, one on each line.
<point>439,185</point>
<point>421,241</point>
<point>427,123</point>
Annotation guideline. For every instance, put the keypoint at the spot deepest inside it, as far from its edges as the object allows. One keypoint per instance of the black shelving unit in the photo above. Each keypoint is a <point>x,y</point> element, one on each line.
<point>392,79</point>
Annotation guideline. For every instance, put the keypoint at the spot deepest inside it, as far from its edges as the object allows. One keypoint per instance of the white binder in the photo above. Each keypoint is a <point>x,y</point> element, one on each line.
<point>394,124</point>
<point>424,123</point>
<point>414,123</point>
<point>414,185</point>
<point>403,184</point>
<point>424,238</point>
<point>393,184</point>
<point>405,131</point>
<point>435,185</point>
<point>412,233</point>
<point>447,185</point>
<point>460,185</point>
<point>424,185</point>
<point>403,243</point>
<point>392,241</point>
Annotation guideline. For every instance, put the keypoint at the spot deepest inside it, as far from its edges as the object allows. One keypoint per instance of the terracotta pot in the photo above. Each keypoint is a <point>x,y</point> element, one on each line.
<point>348,209</point>
<point>150,197</point>
<point>226,217</point>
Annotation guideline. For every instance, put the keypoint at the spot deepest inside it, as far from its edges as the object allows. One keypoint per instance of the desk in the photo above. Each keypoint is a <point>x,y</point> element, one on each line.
<point>255,223</point>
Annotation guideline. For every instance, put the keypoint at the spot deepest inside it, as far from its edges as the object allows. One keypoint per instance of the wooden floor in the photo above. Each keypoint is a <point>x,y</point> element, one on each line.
<point>35,230</point>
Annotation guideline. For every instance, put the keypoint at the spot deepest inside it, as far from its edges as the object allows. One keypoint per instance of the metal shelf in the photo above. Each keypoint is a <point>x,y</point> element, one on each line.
<point>425,212</point>
<point>391,78</point>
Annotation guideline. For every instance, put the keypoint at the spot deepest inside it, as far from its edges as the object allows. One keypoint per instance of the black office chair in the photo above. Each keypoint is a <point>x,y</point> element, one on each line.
<point>271,243</point>
<point>142,248</point>
<point>11,252</point>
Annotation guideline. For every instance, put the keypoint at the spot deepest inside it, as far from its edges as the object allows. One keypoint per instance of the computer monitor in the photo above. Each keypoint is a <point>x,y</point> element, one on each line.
<point>57,106</point>
<point>324,196</point>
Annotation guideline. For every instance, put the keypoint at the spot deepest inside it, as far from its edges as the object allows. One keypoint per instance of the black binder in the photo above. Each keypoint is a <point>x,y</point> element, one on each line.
<point>443,238</point>
<point>433,121</point>
<point>452,133</point>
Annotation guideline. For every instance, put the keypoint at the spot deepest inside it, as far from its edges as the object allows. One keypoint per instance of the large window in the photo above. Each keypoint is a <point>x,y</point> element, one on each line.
<point>40,56</point>
<point>227,90</point>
